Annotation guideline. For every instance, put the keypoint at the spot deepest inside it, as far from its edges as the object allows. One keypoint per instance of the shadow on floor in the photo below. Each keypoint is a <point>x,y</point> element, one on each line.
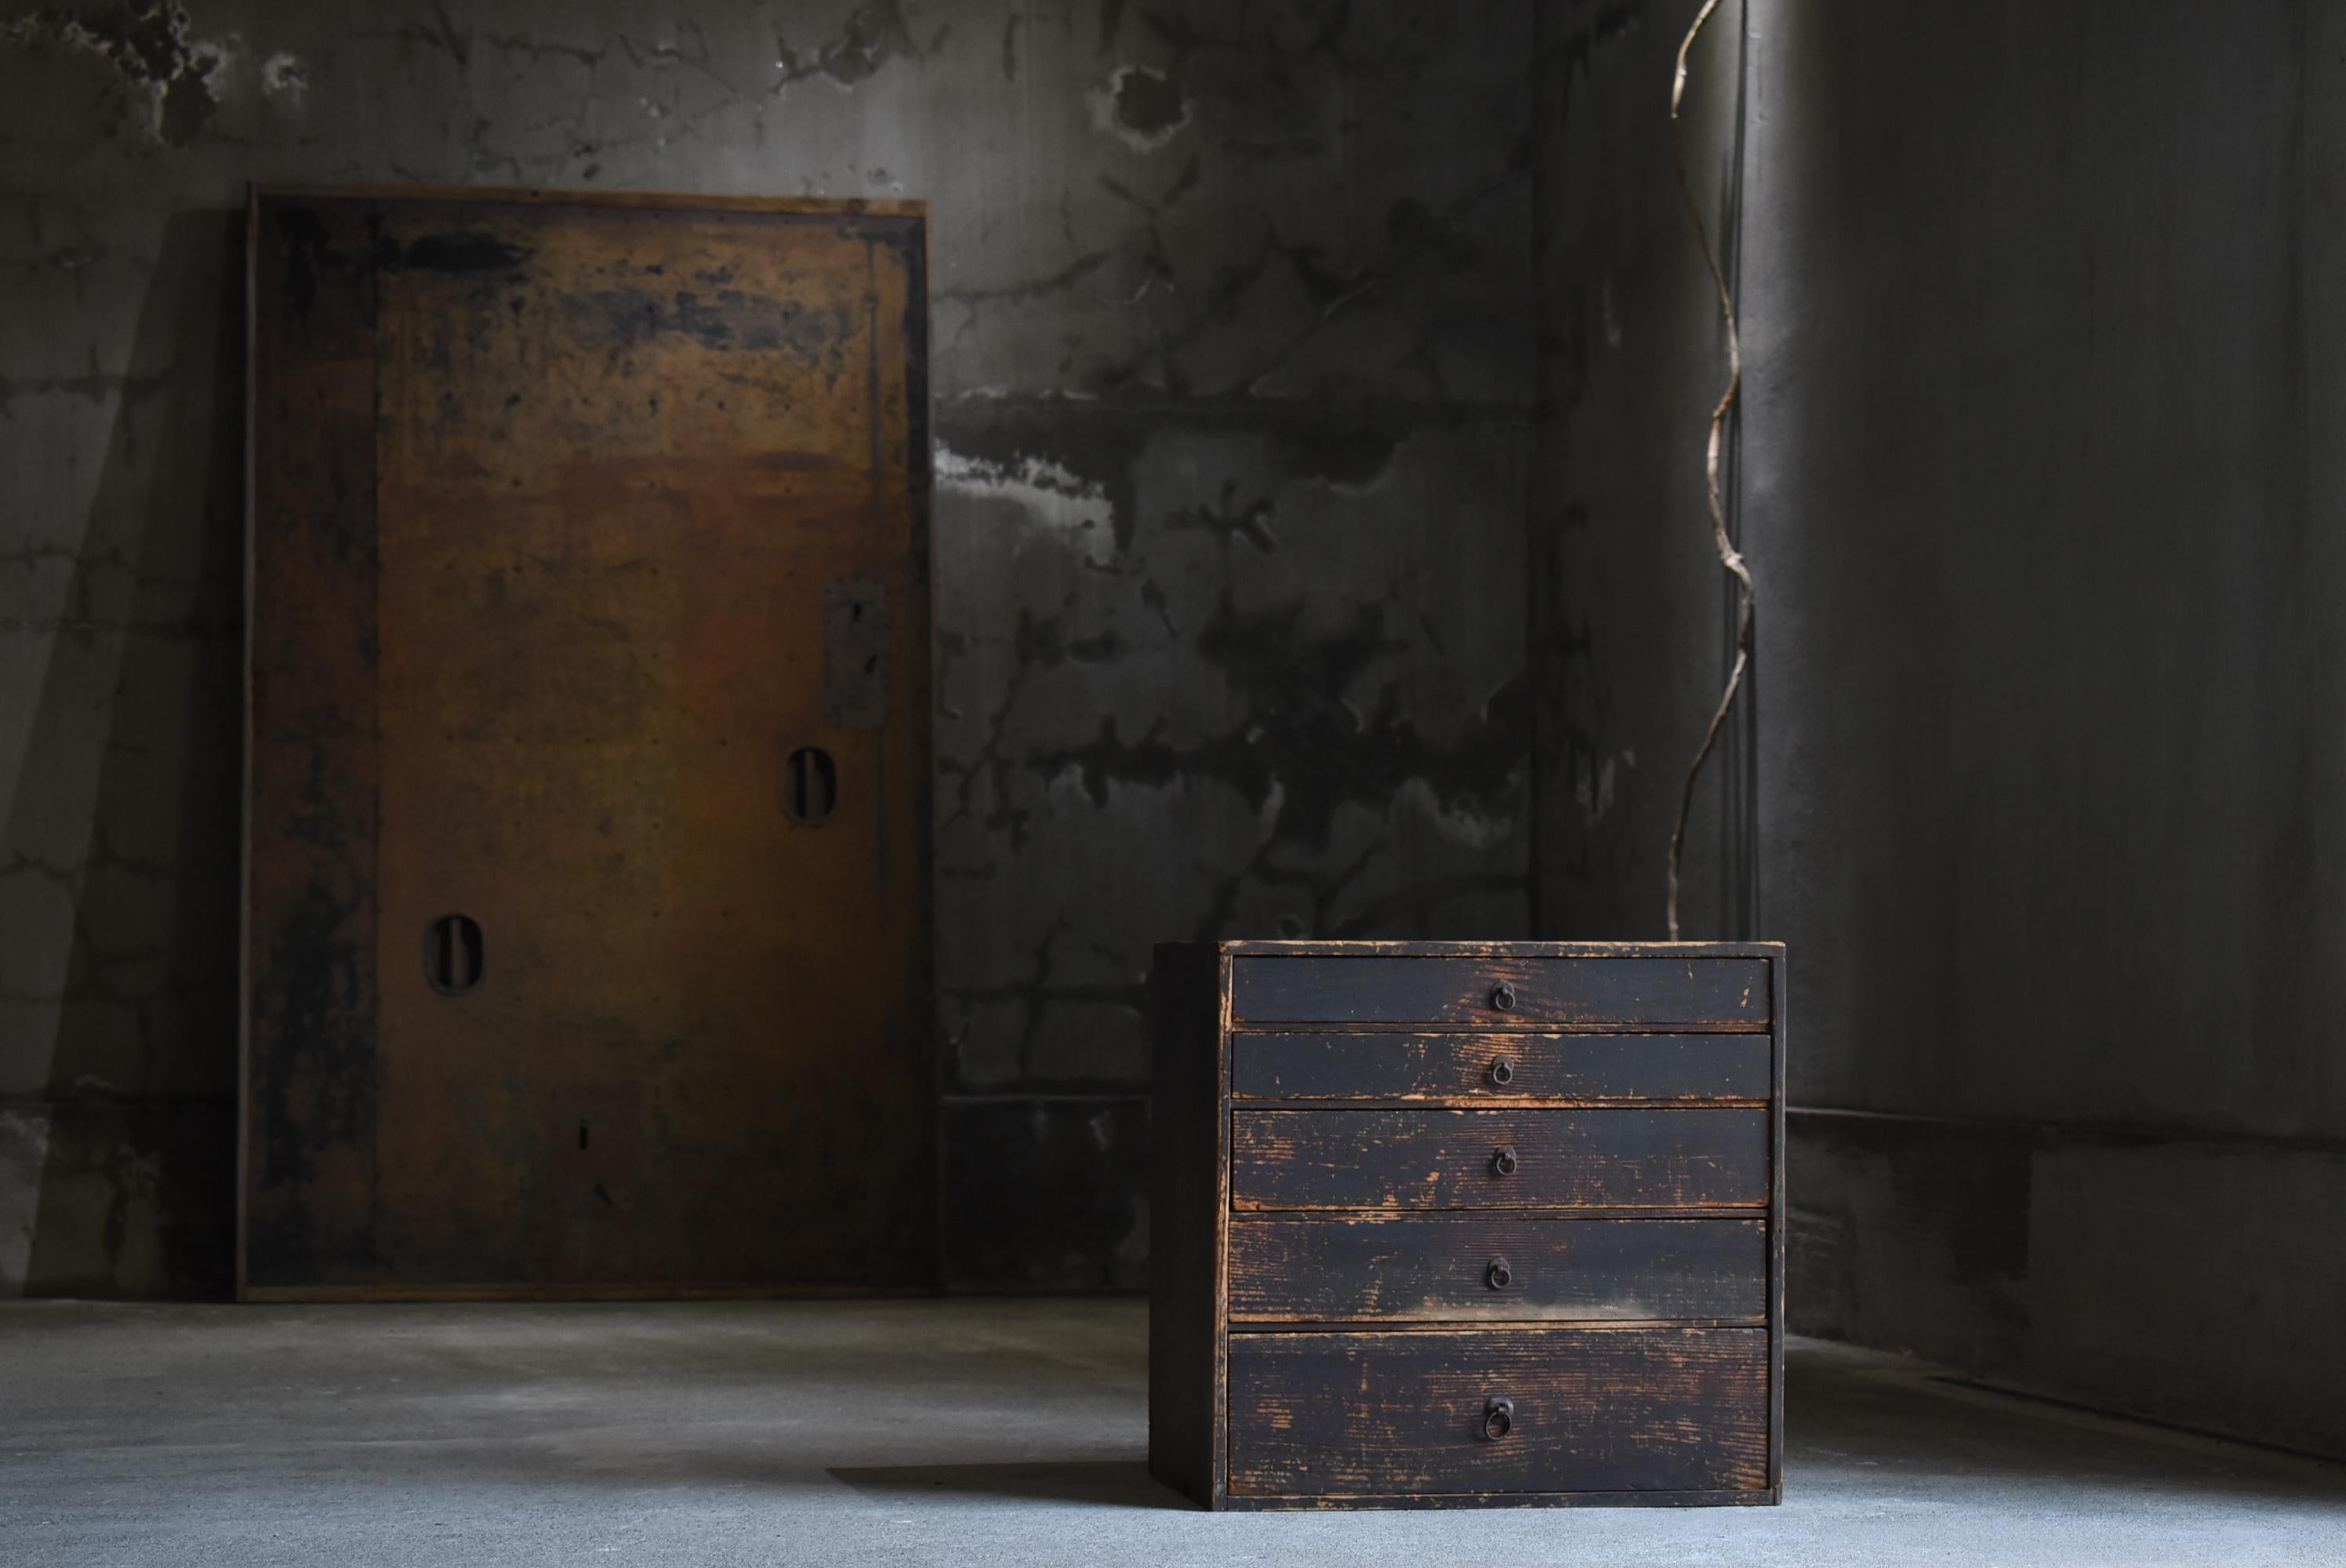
<point>1124,1482</point>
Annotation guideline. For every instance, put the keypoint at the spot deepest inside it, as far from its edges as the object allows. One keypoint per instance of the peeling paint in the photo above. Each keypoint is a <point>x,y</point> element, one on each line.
<point>155,52</point>
<point>1054,499</point>
<point>1142,107</point>
<point>1460,823</point>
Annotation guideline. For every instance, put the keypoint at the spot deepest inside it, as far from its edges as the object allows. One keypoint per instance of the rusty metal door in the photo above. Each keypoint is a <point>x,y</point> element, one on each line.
<point>589,914</point>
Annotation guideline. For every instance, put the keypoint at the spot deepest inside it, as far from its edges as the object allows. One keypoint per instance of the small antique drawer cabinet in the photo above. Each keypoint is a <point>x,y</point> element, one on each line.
<point>1457,1224</point>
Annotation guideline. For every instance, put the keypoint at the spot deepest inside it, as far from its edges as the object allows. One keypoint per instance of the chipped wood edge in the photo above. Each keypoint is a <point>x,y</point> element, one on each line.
<point>1322,948</point>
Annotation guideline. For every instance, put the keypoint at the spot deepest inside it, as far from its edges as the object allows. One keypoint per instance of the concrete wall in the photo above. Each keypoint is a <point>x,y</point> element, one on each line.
<point>1236,419</point>
<point>1233,430</point>
<point>2043,309</point>
<point>2044,313</point>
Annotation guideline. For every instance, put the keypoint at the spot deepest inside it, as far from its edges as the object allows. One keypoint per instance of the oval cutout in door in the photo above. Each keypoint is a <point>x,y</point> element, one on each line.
<point>810,786</point>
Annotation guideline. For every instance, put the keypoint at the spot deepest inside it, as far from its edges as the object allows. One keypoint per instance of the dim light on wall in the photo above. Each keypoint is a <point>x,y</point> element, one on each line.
<point>1729,557</point>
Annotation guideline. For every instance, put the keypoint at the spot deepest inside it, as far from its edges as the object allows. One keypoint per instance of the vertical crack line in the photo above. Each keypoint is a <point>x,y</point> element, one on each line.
<point>1729,557</point>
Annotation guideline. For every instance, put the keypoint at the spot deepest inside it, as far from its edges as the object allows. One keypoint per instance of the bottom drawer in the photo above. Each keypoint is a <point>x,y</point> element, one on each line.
<point>1501,1411</point>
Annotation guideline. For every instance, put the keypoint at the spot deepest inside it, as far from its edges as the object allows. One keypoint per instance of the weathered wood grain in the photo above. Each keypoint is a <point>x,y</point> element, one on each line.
<point>1185,1217</point>
<point>1777,1229</point>
<point>1374,1065</point>
<point>1423,1159</point>
<point>1502,992</point>
<point>1476,1267</point>
<point>1596,1410</point>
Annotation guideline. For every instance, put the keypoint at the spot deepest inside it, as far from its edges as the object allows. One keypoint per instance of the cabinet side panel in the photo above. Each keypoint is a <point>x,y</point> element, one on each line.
<point>1185,1007</point>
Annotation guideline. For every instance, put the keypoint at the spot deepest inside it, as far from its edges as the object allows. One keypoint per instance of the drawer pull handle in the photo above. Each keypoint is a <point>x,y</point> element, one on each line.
<point>1498,1418</point>
<point>1499,1275</point>
<point>1503,997</point>
<point>1503,1161</point>
<point>1503,1071</point>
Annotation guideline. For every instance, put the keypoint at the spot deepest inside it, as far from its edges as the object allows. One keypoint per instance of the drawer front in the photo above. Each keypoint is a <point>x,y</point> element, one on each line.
<point>1517,1158</point>
<point>1587,1410</point>
<point>1502,992</point>
<point>1379,1067</point>
<point>1468,1267</point>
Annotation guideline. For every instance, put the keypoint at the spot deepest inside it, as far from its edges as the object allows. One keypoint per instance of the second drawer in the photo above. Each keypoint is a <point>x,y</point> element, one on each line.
<point>1496,1268</point>
<point>1458,1064</point>
<point>1521,1158</point>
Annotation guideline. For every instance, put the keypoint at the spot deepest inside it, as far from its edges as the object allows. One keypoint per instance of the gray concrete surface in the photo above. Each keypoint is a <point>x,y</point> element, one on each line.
<point>952,1432</point>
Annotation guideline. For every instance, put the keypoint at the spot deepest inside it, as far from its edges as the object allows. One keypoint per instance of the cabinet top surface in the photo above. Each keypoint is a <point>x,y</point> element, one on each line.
<point>1310,949</point>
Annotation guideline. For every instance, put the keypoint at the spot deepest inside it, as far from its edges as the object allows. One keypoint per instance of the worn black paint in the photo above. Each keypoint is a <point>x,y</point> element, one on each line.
<point>1424,1158</point>
<point>1503,993</point>
<point>1047,1194</point>
<point>719,318</point>
<point>1325,1414</point>
<point>1660,1222</point>
<point>1363,1066</point>
<point>1302,737</point>
<point>463,253</point>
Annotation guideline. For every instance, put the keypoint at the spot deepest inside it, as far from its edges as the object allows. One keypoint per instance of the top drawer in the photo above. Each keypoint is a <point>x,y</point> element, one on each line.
<point>1496,993</point>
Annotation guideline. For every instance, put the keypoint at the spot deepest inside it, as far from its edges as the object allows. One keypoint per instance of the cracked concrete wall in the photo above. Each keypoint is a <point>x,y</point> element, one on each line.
<point>1233,424</point>
<point>2038,307</point>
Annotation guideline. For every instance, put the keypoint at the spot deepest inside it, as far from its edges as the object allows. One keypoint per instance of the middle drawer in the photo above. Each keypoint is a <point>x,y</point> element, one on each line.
<point>1523,1157</point>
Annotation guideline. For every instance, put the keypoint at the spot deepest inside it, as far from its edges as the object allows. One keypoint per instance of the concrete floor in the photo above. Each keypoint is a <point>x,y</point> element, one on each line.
<point>963,1433</point>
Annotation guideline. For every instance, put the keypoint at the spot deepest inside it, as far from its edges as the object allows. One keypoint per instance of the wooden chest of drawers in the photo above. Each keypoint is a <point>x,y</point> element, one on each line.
<point>1468,1224</point>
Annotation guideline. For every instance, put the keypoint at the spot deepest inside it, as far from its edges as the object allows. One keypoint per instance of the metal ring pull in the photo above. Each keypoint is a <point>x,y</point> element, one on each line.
<point>1498,1417</point>
<point>1503,1071</point>
<point>1503,1162</point>
<point>1503,997</point>
<point>1498,1276</point>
